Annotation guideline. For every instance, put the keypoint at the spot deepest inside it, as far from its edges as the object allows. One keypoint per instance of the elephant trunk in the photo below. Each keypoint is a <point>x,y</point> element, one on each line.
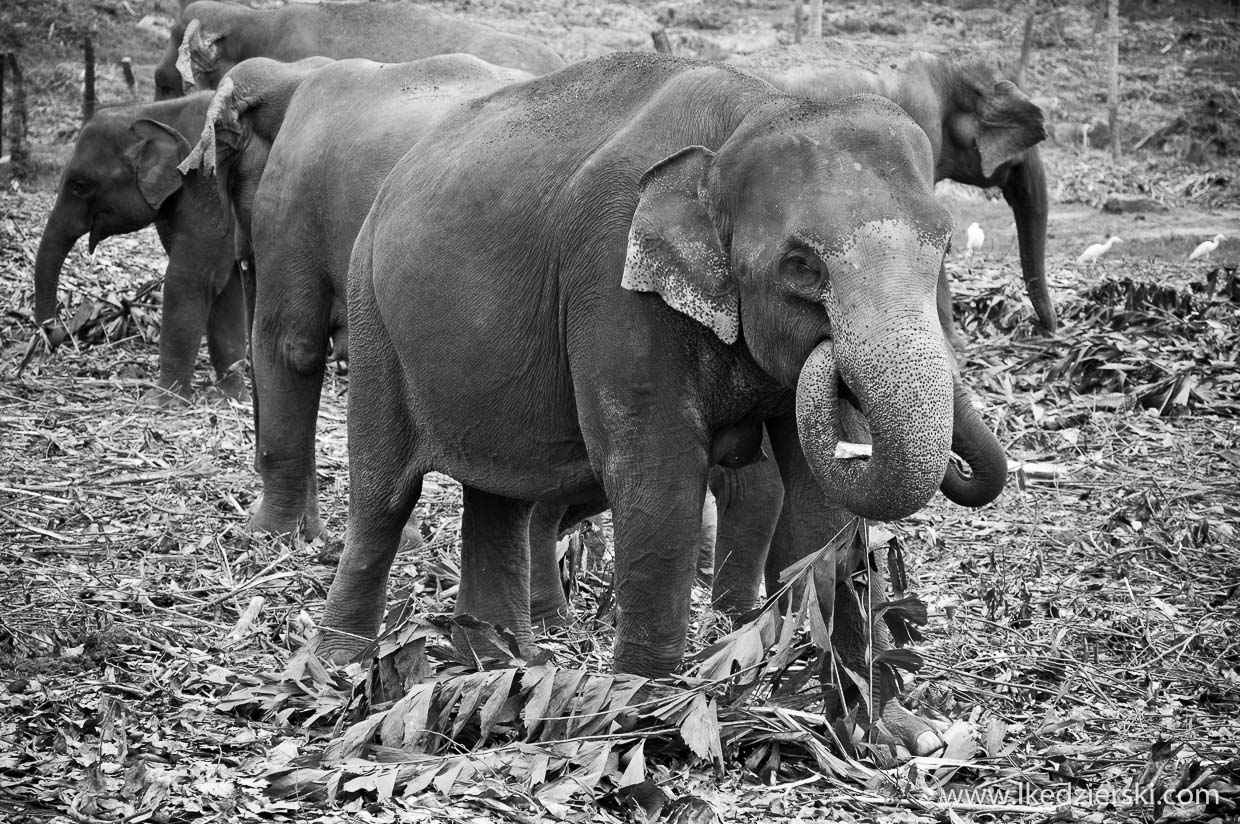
<point>900,380</point>
<point>978,447</point>
<point>58,240</point>
<point>1025,192</point>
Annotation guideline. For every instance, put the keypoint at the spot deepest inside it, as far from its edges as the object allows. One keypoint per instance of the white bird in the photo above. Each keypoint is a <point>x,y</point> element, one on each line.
<point>1204,248</point>
<point>976,238</point>
<point>1097,250</point>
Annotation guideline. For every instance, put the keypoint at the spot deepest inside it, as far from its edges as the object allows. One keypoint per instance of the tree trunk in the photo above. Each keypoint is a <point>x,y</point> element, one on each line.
<point>661,43</point>
<point>798,22</point>
<point>815,19</point>
<point>1113,69</point>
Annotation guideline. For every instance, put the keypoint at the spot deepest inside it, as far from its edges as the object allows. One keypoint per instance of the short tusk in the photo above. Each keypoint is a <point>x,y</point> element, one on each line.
<point>845,450</point>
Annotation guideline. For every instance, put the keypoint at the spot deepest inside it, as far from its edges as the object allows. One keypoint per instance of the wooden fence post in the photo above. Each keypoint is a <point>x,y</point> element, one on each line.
<point>815,19</point>
<point>661,43</point>
<point>798,22</point>
<point>19,153</point>
<point>1113,59</point>
<point>127,71</point>
<point>88,84</point>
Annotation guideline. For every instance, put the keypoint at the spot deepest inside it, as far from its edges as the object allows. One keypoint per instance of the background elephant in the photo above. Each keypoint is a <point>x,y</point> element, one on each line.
<point>984,131</point>
<point>121,177</point>
<point>664,254</point>
<point>301,150</point>
<point>225,34</point>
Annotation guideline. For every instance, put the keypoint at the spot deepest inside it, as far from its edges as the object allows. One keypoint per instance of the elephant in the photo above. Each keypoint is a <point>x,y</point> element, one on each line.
<point>122,176</point>
<point>200,53</point>
<point>301,149</point>
<point>984,132</point>
<point>587,289</point>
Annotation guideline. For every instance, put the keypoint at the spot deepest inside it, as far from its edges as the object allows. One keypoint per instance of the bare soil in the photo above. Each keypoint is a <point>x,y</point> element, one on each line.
<point>1082,629</point>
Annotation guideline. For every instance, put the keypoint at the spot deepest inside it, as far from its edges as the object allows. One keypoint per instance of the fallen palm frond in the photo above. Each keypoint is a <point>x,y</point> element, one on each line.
<point>558,731</point>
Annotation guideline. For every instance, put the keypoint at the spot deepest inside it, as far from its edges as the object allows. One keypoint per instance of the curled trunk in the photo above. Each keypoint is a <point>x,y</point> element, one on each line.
<point>908,408</point>
<point>1025,192</point>
<point>978,447</point>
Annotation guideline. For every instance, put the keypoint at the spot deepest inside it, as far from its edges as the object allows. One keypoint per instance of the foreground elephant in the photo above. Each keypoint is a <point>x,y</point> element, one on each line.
<point>589,288</point>
<point>224,34</point>
<point>984,131</point>
<point>301,150</point>
<point>121,177</point>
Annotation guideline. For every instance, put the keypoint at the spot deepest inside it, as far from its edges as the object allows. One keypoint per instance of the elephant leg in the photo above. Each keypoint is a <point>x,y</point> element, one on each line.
<point>943,299</point>
<point>383,489</point>
<point>495,565</point>
<point>188,290</point>
<point>657,523</point>
<point>289,354</point>
<point>806,523</point>
<point>226,335</point>
<point>749,500</point>
<point>548,604</point>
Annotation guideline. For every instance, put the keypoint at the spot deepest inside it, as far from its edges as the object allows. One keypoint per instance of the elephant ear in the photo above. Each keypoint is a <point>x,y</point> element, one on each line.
<point>1006,124</point>
<point>155,154</point>
<point>674,247</point>
<point>199,48</point>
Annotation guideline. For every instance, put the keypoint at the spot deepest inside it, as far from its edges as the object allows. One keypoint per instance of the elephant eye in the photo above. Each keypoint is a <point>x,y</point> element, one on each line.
<point>802,272</point>
<point>81,187</point>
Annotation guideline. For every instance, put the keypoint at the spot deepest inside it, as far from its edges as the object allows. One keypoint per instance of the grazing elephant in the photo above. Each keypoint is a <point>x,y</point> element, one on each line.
<point>200,53</point>
<point>320,136</point>
<point>588,288</point>
<point>984,131</point>
<point>121,177</point>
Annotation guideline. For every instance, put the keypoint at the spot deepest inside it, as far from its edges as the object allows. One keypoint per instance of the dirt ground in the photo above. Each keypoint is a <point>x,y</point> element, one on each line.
<point>1081,653</point>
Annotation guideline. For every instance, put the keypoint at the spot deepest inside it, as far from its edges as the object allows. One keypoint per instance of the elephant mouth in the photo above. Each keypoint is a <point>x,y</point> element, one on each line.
<point>854,439</point>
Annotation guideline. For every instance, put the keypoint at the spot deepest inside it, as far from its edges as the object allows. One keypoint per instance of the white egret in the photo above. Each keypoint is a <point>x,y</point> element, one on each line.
<point>976,238</point>
<point>1204,248</point>
<point>1097,250</point>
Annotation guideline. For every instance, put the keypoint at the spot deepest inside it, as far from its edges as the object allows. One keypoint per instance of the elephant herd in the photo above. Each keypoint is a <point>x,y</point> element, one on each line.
<point>612,284</point>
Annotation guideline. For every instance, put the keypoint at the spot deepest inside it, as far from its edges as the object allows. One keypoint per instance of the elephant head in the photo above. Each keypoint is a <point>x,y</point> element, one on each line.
<point>988,136</point>
<point>812,239</point>
<point>121,173</point>
<point>983,130</point>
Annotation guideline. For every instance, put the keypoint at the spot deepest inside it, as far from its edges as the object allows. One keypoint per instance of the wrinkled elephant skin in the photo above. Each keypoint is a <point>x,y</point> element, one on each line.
<point>121,177</point>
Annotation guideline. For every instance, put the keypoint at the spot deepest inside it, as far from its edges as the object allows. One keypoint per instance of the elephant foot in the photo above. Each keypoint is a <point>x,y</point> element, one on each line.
<point>338,646</point>
<point>231,388</point>
<point>264,520</point>
<point>163,397</point>
<point>912,732</point>
<point>549,619</point>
